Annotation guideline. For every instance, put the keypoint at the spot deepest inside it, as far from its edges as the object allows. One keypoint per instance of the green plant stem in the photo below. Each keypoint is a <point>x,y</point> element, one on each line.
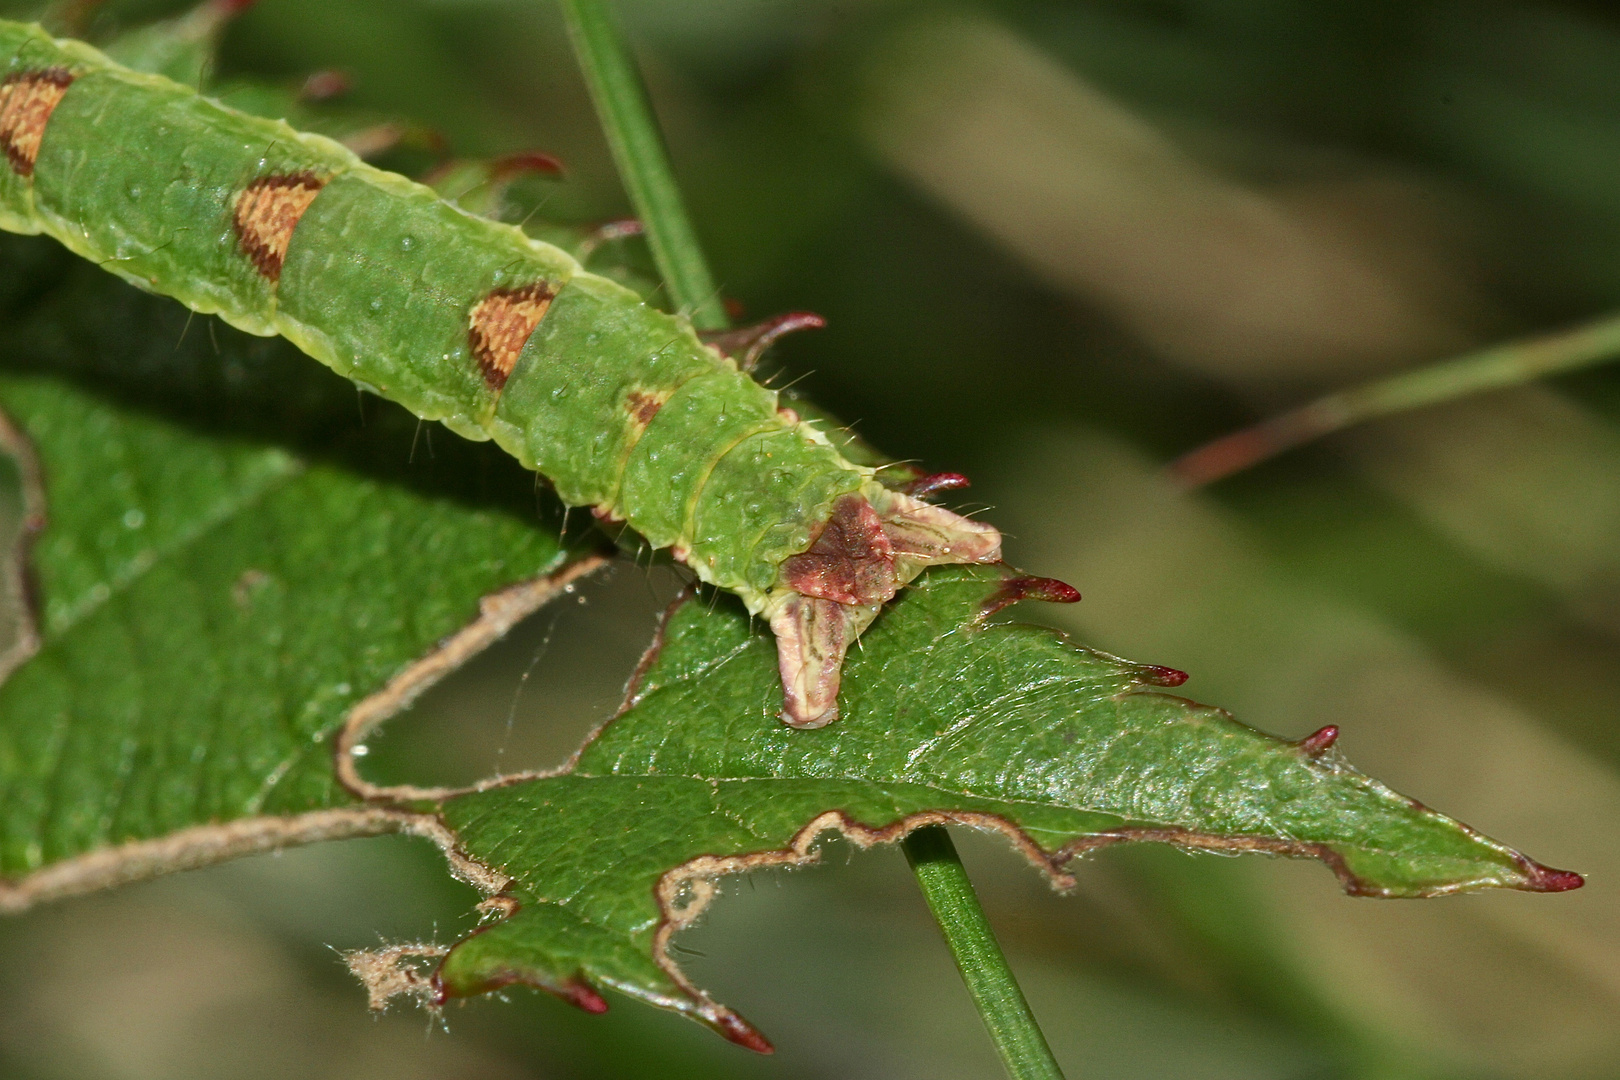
<point>643,160</point>
<point>638,149</point>
<point>1489,369</point>
<point>990,981</point>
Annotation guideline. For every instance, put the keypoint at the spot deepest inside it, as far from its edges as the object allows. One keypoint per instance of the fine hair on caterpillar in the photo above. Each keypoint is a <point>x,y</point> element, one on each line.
<point>471,322</point>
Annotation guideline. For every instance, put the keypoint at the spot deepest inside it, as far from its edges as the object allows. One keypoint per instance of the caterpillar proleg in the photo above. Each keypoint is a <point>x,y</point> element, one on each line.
<point>470,322</point>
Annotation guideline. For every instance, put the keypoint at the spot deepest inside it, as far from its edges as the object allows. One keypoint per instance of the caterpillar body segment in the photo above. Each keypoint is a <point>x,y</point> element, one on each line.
<point>472,323</point>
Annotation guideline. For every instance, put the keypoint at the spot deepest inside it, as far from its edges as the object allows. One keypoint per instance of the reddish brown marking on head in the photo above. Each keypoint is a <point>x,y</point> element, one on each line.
<point>1015,590</point>
<point>499,326</point>
<point>27,100</point>
<point>644,405</point>
<point>1159,675</point>
<point>267,212</point>
<point>1318,741</point>
<point>851,562</point>
<point>924,486</point>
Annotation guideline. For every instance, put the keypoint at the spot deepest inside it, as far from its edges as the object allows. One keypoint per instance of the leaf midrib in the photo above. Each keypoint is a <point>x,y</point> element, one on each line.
<point>137,567</point>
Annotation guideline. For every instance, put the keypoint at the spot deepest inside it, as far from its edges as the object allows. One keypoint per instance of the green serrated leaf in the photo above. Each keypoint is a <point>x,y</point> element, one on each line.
<point>214,603</point>
<point>947,717</point>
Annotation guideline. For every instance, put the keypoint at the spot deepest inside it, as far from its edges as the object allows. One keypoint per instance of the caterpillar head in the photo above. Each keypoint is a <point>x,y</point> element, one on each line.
<point>872,543</point>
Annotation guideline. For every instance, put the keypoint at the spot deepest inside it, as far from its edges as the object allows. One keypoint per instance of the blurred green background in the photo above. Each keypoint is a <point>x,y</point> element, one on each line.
<point>1056,244</point>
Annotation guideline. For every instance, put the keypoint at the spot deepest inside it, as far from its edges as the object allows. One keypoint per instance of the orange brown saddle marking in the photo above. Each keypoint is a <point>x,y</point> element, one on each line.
<point>643,405</point>
<point>27,100</point>
<point>499,326</point>
<point>267,212</point>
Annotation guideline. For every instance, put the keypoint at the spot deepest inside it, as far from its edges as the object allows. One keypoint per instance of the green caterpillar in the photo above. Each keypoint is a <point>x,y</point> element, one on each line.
<point>472,323</point>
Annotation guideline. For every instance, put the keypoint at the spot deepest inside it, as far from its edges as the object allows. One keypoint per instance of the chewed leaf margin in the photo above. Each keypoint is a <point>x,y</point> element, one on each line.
<point>541,941</point>
<point>381,811</point>
<point>685,892</point>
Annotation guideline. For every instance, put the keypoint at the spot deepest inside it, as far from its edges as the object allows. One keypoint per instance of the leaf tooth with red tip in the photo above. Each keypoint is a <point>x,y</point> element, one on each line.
<point>1317,742</point>
<point>1157,674</point>
<point>1026,587</point>
<point>574,989</point>
<point>581,995</point>
<point>735,1029</point>
<point>1546,879</point>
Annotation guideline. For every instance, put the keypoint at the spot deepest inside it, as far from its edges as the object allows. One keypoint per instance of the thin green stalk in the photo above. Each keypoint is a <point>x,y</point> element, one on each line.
<point>643,160</point>
<point>990,981</point>
<point>638,149</point>
<point>1489,369</point>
